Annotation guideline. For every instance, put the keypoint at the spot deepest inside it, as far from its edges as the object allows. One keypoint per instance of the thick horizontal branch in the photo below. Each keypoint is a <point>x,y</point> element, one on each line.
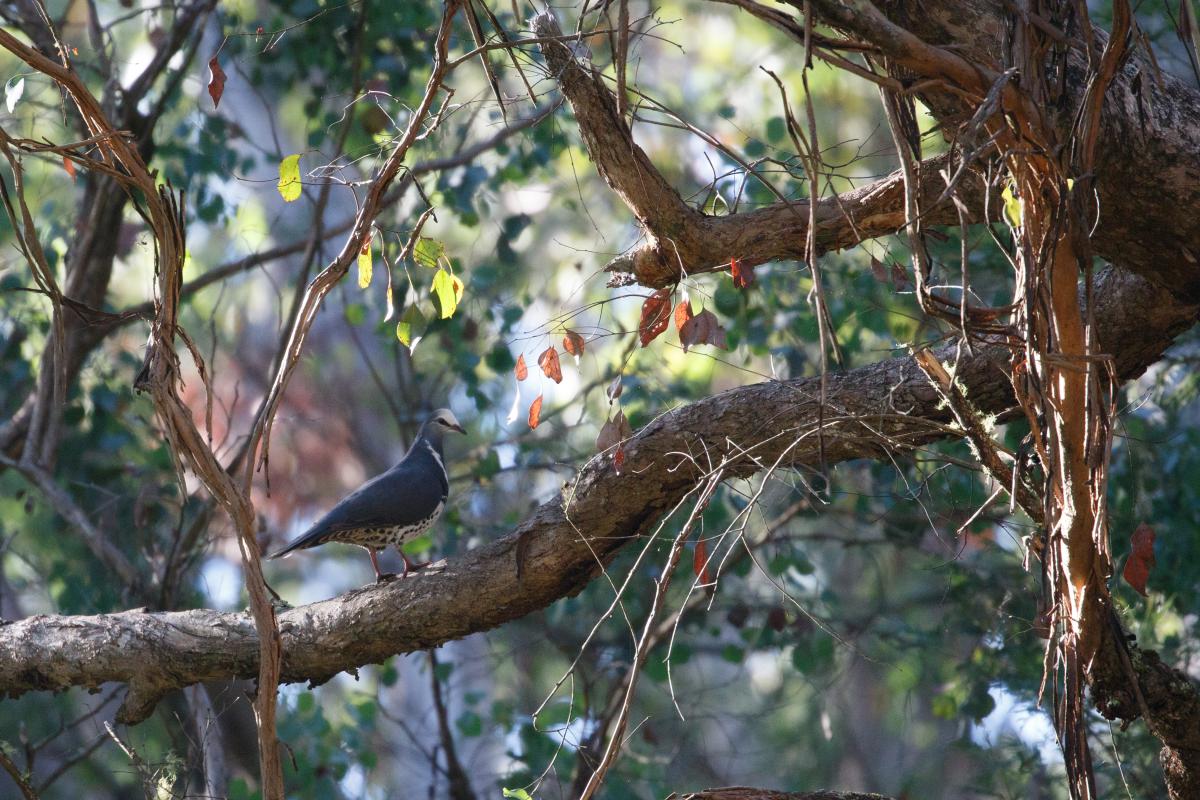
<point>870,412</point>
<point>683,240</point>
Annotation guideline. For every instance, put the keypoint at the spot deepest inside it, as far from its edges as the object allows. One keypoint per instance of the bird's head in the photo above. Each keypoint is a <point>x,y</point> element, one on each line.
<point>441,421</point>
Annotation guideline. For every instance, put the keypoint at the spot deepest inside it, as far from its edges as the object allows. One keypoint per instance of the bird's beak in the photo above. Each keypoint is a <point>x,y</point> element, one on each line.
<point>458,428</point>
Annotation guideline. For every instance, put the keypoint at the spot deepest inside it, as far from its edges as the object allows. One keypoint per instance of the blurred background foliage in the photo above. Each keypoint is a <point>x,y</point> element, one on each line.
<point>854,639</point>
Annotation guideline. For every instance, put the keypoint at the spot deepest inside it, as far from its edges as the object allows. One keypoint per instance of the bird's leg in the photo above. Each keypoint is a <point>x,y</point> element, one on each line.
<point>411,565</point>
<point>382,577</point>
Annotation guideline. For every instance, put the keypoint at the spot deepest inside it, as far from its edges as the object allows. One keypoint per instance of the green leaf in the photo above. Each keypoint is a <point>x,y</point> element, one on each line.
<point>428,252</point>
<point>1013,207</point>
<point>364,266</point>
<point>517,794</point>
<point>289,178</point>
<point>356,313</point>
<point>447,290</point>
<point>776,129</point>
<point>469,724</point>
<point>410,327</point>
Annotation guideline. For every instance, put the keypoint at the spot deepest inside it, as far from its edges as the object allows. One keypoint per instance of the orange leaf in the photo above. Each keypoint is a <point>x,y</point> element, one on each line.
<point>69,166</point>
<point>700,562</point>
<point>573,343</point>
<point>1141,558</point>
<point>535,412</point>
<point>683,312</point>
<point>619,459</point>
<point>522,370</point>
<point>743,275</point>
<point>656,314</point>
<point>216,81</point>
<point>548,361</point>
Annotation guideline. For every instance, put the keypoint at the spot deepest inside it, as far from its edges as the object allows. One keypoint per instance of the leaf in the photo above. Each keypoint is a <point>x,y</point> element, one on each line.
<point>878,270</point>
<point>683,312</point>
<point>656,314</point>
<point>410,327</point>
<point>899,277</point>
<point>619,459</point>
<point>743,275</point>
<point>1014,207</point>
<point>12,93</point>
<point>535,413</point>
<point>1141,558</point>
<point>427,252</point>
<point>614,389</point>
<point>364,265</point>
<point>700,562</point>
<point>703,329</point>
<point>573,343</point>
<point>447,290</point>
<point>69,166</point>
<point>550,365</point>
<point>522,370</point>
<point>289,178</point>
<point>216,81</point>
<point>613,431</point>
<point>512,412</point>
<point>517,794</point>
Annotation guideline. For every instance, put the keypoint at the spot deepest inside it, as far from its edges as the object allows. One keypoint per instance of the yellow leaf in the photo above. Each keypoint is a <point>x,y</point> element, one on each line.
<point>364,266</point>
<point>1014,207</point>
<point>289,178</point>
<point>448,290</point>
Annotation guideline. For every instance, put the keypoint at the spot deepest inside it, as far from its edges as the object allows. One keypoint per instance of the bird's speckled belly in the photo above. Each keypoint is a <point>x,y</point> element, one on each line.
<point>396,536</point>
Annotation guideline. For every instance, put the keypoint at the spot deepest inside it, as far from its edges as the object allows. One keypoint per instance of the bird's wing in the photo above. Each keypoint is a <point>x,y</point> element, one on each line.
<point>403,495</point>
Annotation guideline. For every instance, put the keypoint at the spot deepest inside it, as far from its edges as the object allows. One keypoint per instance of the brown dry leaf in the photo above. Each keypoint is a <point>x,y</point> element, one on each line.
<point>535,413</point>
<point>879,270</point>
<point>703,329</point>
<point>548,361</point>
<point>656,314</point>
<point>216,81</point>
<point>1141,558</point>
<point>613,431</point>
<point>614,389</point>
<point>700,562</point>
<point>573,343</point>
<point>743,275</point>
<point>522,370</point>
<point>683,312</point>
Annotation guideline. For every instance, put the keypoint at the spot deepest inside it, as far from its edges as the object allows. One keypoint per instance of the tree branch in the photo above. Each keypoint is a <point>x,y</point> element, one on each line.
<point>871,412</point>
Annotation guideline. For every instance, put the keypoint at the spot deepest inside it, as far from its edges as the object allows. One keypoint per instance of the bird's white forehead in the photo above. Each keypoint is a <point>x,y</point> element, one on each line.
<point>446,417</point>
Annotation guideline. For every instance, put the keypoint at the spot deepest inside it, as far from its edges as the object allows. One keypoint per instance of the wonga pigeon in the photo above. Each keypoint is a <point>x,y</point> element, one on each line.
<point>395,507</point>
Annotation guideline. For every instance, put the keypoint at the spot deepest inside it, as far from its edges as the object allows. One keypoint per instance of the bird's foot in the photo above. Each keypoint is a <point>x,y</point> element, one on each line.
<point>386,577</point>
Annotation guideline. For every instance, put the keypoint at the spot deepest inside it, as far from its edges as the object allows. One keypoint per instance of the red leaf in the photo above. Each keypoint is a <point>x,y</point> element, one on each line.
<point>619,459</point>
<point>1141,558</point>
<point>573,343</point>
<point>69,166</point>
<point>743,275</point>
<point>522,370</point>
<point>548,361</point>
<point>700,562</point>
<point>683,312</point>
<point>656,314</point>
<point>702,329</point>
<point>216,81</point>
<point>535,413</point>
